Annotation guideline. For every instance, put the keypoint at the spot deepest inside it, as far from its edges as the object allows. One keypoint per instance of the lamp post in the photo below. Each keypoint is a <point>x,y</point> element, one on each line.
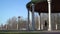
<point>49,10</point>
<point>18,22</point>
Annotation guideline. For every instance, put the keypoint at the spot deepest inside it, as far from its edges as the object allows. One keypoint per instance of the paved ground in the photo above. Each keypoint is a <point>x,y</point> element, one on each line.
<point>26,32</point>
<point>31,32</point>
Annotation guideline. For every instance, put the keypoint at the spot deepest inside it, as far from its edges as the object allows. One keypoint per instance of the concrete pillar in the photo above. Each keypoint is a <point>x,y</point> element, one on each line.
<point>39,28</point>
<point>49,10</point>
<point>42,22</point>
<point>56,26</point>
<point>33,19</point>
<point>57,20</point>
<point>17,26</point>
<point>28,20</point>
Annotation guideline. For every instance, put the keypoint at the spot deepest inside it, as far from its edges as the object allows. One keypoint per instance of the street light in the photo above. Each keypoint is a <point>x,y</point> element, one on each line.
<point>49,10</point>
<point>18,22</point>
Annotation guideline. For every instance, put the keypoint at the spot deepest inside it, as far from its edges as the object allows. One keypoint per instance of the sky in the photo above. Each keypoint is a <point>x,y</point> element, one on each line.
<point>10,8</point>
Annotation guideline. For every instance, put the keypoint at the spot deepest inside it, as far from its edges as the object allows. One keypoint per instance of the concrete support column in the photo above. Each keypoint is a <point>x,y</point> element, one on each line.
<point>33,19</point>
<point>42,23</point>
<point>28,20</point>
<point>17,26</point>
<point>57,20</point>
<point>49,10</point>
<point>56,26</point>
<point>39,28</point>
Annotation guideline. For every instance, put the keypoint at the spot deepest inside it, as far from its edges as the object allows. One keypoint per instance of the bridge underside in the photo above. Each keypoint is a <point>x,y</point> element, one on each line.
<point>42,7</point>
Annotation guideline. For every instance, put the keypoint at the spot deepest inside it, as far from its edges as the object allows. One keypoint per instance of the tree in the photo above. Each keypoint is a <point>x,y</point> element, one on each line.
<point>12,23</point>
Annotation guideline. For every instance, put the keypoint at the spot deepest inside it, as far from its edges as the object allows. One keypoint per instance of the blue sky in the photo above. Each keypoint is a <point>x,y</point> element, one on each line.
<point>10,8</point>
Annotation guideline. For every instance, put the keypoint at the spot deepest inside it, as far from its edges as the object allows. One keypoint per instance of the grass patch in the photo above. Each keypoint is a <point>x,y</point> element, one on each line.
<point>16,33</point>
